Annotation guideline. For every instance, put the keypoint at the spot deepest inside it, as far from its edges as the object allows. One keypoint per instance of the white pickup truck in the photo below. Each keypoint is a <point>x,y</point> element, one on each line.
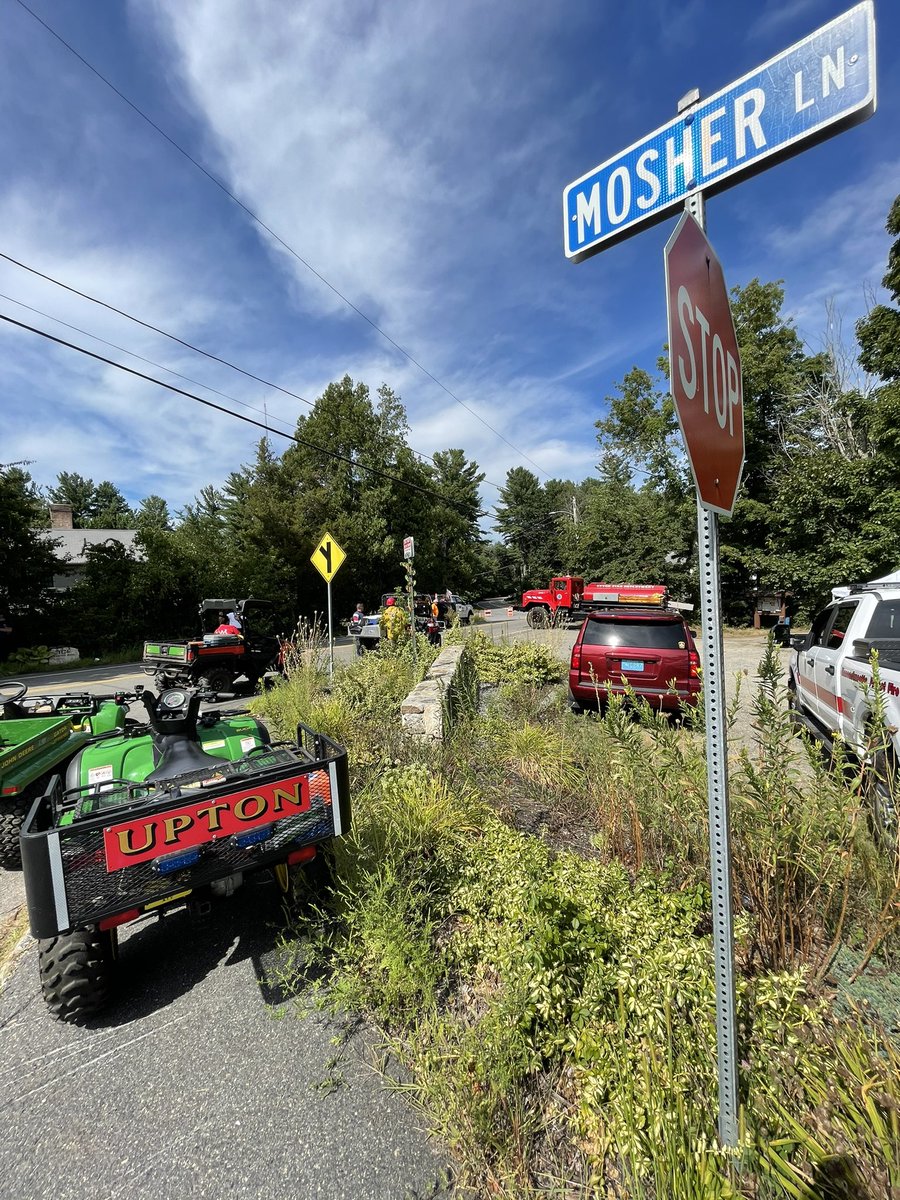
<point>830,679</point>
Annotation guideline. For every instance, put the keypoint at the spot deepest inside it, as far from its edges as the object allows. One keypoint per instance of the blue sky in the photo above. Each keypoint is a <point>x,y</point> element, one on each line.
<point>415,154</point>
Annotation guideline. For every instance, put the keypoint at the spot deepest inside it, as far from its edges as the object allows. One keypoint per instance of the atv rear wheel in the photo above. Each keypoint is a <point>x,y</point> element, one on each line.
<point>13,811</point>
<point>76,972</point>
<point>219,679</point>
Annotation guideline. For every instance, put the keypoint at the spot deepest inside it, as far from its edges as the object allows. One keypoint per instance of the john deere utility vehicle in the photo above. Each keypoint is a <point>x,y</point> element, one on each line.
<point>169,813</point>
<point>216,661</point>
<point>38,736</point>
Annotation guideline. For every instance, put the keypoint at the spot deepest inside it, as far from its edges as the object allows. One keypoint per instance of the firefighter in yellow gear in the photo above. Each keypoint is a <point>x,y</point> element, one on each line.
<point>394,621</point>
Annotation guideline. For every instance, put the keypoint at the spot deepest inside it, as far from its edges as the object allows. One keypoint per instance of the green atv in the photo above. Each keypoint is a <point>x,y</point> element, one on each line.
<point>174,812</point>
<point>38,735</point>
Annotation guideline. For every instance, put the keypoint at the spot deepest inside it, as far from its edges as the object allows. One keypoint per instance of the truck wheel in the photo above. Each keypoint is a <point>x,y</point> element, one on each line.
<point>881,787</point>
<point>13,811</point>
<point>216,680</point>
<point>538,618</point>
<point>76,972</point>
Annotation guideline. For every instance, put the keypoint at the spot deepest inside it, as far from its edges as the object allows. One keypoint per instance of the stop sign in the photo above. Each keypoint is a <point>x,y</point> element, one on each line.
<point>704,365</point>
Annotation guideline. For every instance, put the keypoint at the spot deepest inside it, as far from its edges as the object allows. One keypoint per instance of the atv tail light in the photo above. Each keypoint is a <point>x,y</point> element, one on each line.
<point>119,919</point>
<point>254,837</point>
<point>169,863</point>
<point>304,854</point>
<point>10,791</point>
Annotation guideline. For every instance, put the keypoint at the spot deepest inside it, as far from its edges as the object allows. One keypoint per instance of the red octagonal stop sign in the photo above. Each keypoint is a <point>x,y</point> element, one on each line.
<point>704,365</point>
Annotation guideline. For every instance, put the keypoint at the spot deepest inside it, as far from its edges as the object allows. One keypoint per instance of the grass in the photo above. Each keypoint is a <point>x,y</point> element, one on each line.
<point>553,1010</point>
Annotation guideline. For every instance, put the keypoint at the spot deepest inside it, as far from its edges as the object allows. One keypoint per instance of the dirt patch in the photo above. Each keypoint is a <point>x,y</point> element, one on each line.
<point>12,929</point>
<point>561,825</point>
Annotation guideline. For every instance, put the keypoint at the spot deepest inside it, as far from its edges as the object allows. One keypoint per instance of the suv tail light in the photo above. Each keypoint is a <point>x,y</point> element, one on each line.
<point>694,661</point>
<point>576,657</point>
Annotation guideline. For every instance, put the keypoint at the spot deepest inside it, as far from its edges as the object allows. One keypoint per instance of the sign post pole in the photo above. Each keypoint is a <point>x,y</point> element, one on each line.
<point>330,638</point>
<point>717,796</point>
<point>816,88</point>
<point>409,556</point>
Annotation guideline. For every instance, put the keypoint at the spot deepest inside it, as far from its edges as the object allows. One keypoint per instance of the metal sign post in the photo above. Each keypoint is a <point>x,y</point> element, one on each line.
<point>719,830</point>
<point>409,556</point>
<point>327,559</point>
<point>713,658</point>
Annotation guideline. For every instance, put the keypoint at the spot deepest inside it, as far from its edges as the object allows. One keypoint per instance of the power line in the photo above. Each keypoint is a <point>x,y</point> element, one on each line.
<point>172,337</point>
<point>271,232</point>
<point>292,437</point>
<point>132,354</point>
<point>154,328</point>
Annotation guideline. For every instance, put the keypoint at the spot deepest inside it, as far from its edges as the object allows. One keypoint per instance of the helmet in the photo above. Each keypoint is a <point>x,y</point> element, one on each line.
<point>390,600</point>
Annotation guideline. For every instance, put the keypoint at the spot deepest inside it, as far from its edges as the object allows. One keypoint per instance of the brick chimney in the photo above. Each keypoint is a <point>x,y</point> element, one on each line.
<point>61,516</point>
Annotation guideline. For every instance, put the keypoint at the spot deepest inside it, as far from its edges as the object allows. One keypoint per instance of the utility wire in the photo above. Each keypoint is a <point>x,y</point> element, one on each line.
<point>154,328</point>
<point>291,437</point>
<point>280,240</point>
<point>172,337</point>
<point>132,354</point>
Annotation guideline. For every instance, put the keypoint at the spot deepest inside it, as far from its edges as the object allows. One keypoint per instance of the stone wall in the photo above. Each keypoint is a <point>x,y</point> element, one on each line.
<point>449,688</point>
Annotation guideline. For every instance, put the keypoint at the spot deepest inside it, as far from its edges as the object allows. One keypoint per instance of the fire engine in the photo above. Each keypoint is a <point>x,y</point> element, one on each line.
<point>569,596</point>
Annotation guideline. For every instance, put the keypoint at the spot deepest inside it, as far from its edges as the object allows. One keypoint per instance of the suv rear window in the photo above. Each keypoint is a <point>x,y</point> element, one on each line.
<point>635,634</point>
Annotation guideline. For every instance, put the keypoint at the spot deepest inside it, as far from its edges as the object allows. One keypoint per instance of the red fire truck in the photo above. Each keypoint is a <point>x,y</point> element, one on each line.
<point>569,596</point>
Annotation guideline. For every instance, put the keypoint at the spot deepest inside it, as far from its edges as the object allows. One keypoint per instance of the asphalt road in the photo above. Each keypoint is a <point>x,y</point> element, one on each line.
<point>201,1081</point>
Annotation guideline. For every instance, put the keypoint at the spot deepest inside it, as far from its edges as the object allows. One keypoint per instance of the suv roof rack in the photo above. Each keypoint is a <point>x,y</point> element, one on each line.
<point>885,584</point>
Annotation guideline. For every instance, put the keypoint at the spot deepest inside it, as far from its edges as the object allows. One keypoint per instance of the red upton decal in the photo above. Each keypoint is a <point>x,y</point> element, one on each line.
<point>215,817</point>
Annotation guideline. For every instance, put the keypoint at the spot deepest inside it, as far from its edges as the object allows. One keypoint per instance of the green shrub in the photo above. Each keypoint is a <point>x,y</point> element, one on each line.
<point>511,662</point>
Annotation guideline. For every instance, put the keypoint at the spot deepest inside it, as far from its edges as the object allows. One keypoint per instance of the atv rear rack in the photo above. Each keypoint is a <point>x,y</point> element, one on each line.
<point>94,853</point>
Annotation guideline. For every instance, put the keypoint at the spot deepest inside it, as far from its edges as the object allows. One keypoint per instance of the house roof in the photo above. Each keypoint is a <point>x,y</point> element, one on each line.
<point>72,544</point>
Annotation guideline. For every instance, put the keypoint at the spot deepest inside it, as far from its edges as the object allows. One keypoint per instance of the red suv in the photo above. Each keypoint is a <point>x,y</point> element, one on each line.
<point>649,649</point>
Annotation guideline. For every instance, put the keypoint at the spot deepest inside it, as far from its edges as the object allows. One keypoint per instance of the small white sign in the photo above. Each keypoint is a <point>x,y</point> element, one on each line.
<point>409,547</point>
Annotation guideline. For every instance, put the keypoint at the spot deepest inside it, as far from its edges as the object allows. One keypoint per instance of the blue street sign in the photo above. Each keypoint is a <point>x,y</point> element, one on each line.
<point>809,92</point>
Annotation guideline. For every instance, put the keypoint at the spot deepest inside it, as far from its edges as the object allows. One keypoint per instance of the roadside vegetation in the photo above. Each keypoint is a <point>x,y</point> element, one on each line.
<point>524,911</point>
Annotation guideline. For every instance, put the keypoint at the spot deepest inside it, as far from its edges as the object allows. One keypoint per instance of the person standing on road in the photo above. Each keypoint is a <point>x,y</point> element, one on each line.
<point>355,627</point>
<point>393,620</point>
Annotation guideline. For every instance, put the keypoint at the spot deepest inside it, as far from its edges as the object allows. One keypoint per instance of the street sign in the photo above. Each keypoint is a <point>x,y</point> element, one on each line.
<point>811,91</point>
<point>409,548</point>
<point>704,366</point>
<point>327,557</point>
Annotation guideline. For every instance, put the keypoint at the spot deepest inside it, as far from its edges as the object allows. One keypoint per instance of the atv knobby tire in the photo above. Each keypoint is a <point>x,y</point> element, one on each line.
<point>217,680</point>
<point>13,811</point>
<point>76,972</point>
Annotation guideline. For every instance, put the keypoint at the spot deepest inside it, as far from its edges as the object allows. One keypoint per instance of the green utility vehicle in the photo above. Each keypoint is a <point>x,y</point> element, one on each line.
<point>175,812</point>
<point>38,736</point>
<point>215,661</point>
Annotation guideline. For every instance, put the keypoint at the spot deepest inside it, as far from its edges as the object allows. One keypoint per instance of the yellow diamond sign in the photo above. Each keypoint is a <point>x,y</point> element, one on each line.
<point>327,557</point>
